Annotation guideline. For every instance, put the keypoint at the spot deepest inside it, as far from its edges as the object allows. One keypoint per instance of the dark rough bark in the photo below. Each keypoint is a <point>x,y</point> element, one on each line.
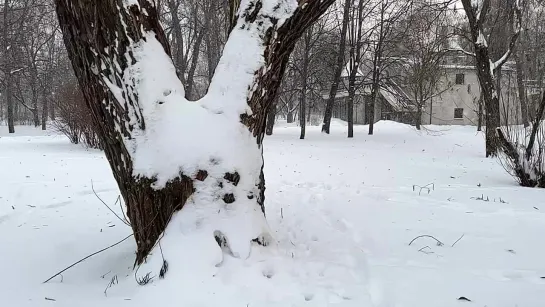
<point>289,117</point>
<point>535,126</point>
<point>8,83</point>
<point>418,118</point>
<point>480,114</point>
<point>377,63</point>
<point>374,90</point>
<point>9,103</point>
<point>270,120</point>
<point>355,58</point>
<point>338,70</point>
<point>44,113</point>
<point>304,84</point>
<point>302,112</point>
<point>490,98</point>
<point>98,34</point>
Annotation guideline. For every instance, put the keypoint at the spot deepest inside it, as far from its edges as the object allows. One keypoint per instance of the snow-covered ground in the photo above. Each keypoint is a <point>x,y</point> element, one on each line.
<point>343,212</point>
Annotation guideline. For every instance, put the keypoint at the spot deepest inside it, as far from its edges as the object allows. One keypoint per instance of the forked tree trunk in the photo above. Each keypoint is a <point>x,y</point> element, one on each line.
<point>338,70</point>
<point>150,132</point>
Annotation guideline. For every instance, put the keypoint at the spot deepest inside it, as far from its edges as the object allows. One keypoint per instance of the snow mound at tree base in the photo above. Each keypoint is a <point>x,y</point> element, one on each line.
<point>284,273</point>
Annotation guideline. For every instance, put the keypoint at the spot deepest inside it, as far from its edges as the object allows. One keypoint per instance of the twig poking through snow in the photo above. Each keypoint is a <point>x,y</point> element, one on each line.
<point>122,220</point>
<point>122,211</point>
<point>460,238</point>
<point>83,259</point>
<point>439,243</point>
<point>425,252</point>
<point>113,281</point>
<point>426,187</point>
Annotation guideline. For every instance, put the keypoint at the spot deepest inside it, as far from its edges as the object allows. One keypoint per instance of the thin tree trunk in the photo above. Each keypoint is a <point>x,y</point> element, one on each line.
<point>270,119</point>
<point>196,51</point>
<point>377,63</point>
<point>128,110</point>
<point>350,107</point>
<point>34,89</point>
<point>418,119</point>
<point>338,70</point>
<point>9,103</point>
<point>179,57</point>
<point>490,97</point>
<point>521,88</point>
<point>304,82</point>
<point>374,90</point>
<point>302,113</point>
<point>289,116</point>
<point>7,69</point>
<point>480,114</point>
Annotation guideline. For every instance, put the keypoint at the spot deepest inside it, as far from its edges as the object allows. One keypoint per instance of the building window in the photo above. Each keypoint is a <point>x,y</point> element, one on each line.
<point>459,113</point>
<point>460,78</point>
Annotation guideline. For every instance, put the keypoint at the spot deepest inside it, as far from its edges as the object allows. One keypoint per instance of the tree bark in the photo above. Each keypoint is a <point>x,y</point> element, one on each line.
<point>480,114</point>
<point>375,87</point>
<point>7,69</point>
<point>377,63</point>
<point>350,107</point>
<point>106,34</point>
<point>490,98</point>
<point>304,83</point>
<point>289,117</point>
<point>418,119</point>
<point>270,119</point>
<point>338,70</point>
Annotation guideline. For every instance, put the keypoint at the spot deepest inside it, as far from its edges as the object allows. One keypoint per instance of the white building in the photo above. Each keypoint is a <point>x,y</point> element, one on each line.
<point>455,101</point>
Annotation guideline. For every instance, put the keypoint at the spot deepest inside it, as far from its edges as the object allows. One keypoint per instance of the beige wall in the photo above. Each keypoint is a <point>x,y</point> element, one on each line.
<point>466,96</point>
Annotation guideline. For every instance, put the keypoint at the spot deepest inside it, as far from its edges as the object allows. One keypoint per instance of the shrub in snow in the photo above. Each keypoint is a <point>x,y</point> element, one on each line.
<point>522,151</point>
<point>74,117</point>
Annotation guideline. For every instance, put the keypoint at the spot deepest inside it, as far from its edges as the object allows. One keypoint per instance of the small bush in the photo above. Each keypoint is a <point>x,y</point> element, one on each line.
<point>74,119</point>
<point>522,151</point>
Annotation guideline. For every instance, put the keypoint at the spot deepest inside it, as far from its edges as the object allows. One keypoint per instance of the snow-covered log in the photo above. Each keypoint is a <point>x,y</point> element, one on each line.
<point>167,152</point>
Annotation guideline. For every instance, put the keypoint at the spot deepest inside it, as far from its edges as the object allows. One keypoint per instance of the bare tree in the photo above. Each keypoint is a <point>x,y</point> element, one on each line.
<point>338,67</point>
<point>126,104</point>
<point>422,58</point>
<point>477,14</point>
<point>388,32</point>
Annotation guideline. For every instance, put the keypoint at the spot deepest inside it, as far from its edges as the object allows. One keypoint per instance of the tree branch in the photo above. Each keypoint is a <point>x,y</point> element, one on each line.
<point>512,42</point>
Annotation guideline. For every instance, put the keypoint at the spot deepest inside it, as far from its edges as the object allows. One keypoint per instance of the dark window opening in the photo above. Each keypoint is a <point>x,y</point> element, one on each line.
<point>460,78</point>
<point>458,113</point>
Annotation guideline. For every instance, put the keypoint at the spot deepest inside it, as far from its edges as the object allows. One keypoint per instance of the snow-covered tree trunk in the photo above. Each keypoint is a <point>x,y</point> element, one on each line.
<point>167,152</point>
